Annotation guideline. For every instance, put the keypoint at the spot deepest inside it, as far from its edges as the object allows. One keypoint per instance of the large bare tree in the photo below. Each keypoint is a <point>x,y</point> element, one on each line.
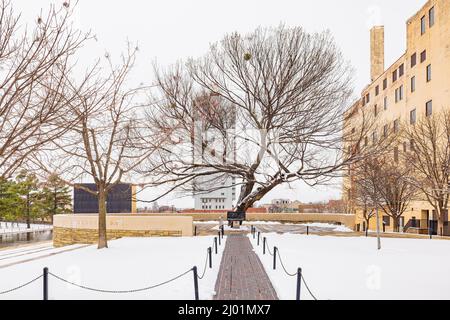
<point>111,139</point>
<point>429,155</point>
<point>33,66</point>
<point>271,113</point>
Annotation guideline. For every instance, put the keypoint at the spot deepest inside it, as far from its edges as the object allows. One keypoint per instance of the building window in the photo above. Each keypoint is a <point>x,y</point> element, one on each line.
<point>377,90</point>
<point>368,98</point>
<point>374,137</point>
<point>429,73</point>
<point>399,94</point>
<point>401,70</point>
<point>385,131</point>
<point>412,145</point>
<point>375,110</point>
<point>431,17</point>
<point>366,141</point>
<point>413,84</point>
<point>387,221</point>
<point>396,154</point>
<point>385,103</point>
<point>394,76</point>
<point>412,117</point>
<point>405,147</point>
<point>422,25</point>
<point>396,126</point>
<point>423,56</point>
<point>413,60</point>
<point>384,84</point>
<point>429,108</point>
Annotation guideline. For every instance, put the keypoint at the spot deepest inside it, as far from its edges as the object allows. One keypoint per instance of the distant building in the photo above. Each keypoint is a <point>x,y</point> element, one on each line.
<point>213,192</point>
<point>121,199</point>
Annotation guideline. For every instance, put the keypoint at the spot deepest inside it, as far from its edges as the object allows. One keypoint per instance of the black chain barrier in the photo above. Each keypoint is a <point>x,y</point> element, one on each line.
<point>194,270</point>
<point>120,291</point>
<point>298,274</point>
<point>21,286</point>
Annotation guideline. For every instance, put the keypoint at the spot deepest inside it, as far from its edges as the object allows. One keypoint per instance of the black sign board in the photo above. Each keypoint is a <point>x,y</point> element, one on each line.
<point>235,216</point>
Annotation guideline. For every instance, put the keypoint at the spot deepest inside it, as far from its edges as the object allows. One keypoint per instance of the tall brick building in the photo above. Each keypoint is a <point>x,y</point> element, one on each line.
<point>416,85</point>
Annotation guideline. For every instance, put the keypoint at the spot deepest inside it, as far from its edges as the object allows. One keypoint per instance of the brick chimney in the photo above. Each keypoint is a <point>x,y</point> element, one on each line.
<point>376,52</point>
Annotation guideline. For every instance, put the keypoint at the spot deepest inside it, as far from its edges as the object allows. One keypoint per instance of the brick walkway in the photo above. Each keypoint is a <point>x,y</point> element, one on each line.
<point>241,275</point>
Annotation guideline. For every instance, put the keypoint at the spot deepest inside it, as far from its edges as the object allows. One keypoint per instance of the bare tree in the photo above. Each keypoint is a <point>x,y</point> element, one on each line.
<point>429,155</point>
<point>33,65</point>
<point>384,183</point>
<point>109,141</point>
<point>282,93</point>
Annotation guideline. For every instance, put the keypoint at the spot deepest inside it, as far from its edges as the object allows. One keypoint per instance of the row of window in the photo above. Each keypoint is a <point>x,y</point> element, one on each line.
<point>211,207</point>
<point>431,21</point>
<point>213,200</point>
<point>399,92</point>
<point>396,126</point>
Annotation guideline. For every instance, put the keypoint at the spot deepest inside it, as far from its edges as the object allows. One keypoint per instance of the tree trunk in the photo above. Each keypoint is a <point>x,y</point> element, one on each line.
<point>396,224</point>
<point>367,227</point>
<point>28,212</point>
<point>442,218</point>
<point>102,236</point>
<point>378,230</point>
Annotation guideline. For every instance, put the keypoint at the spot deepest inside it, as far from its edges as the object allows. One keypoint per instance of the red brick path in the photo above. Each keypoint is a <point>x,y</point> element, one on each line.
<point>241,275</point>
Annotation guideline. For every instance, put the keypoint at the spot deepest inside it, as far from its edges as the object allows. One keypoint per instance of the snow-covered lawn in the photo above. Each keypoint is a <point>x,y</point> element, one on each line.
<point>343,268</point>
<point>332,227</point>
<point>129,263</point>
<point>8,228</point>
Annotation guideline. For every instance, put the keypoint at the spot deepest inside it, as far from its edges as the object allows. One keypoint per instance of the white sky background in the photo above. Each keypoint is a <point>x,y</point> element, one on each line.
<point>168,30</point>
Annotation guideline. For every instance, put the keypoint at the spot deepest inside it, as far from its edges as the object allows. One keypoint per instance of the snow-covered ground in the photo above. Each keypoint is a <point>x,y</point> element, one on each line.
<point>129,263</point>
<point>343,268</point>
<point>228,228</point>
<point>332,227</point>
<point>8,228</point>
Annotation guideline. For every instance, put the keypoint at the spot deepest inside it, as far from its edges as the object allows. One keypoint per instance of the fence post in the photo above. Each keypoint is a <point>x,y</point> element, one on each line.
<point>194,269</point>
<point>275,249</point>
<point>299,283</point>
<point>223,230</point>
<point>253,232</point>
<point>215,244</point>
<point>307,230</point>
<point>264,245</point>
<point>45,286</point>
<point>210,257</point>
<point>259,236</point>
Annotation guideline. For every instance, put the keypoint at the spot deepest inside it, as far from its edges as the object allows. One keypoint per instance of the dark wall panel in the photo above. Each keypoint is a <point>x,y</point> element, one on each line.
<point>119,199</point>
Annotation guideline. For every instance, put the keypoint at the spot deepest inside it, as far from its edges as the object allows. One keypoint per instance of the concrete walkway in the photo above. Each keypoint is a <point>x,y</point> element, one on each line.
<point>241,274</point>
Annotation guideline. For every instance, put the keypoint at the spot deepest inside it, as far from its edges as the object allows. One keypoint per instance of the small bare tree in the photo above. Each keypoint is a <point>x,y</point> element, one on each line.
<point>33,68</point>
<point>271,114</point>
<point>429,155</point>
<point>109,142</point>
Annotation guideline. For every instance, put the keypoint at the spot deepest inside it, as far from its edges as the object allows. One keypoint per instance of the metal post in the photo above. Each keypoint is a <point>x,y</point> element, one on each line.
<point>264,245</point>
<point>210,257</point>
<point>195,231</point>
<point>307,230</point>
<point>253,232</point>
<point>220,242</point>
<point>45,280</point>
<point>194,269</point>
<point>215,244</point>
<point>299,283</point>
<point>223,231</point>
<point>275,249</point>
<point>259,236</point>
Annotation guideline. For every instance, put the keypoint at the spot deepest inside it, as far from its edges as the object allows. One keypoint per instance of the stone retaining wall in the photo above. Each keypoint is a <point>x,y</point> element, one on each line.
<point>74,228</point>
<point>68,236</point>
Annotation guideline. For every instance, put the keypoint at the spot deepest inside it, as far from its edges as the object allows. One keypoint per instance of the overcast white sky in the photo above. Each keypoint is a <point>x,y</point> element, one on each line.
<point>168,30</point>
